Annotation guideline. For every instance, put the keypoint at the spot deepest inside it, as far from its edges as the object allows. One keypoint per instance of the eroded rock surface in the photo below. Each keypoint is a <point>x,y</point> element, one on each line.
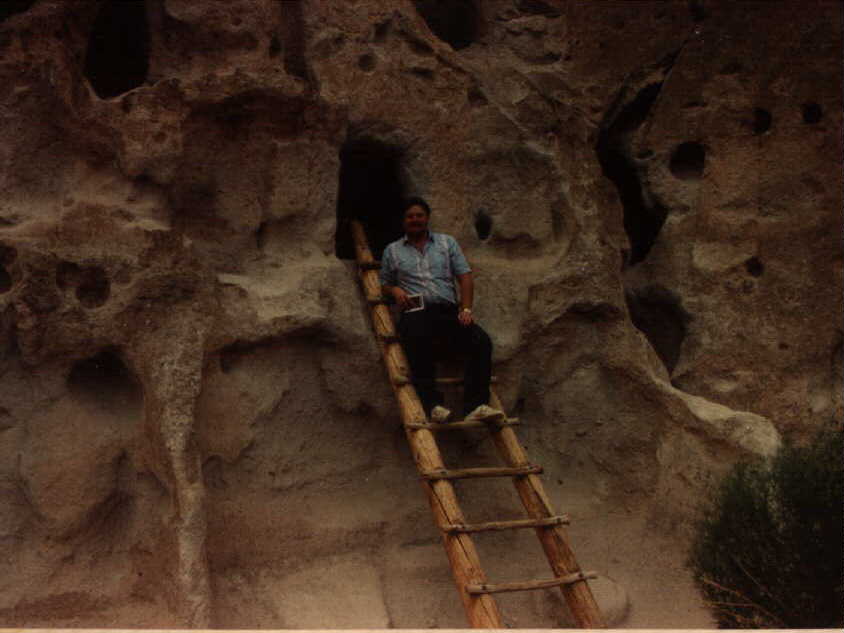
<point>192,405</point>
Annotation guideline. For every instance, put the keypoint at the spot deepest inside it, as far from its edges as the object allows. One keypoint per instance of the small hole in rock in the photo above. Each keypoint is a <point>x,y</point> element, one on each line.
<point>68,275</point>
<point>483,224</point>
<point>105,380</point>
<point>424,73</point>
<point>381,31</point>
<point>731,68</point>
<point>761,121</point>
<point>94,287</point>
<point>476,97</point>
<point>366,62</point>
<point>754,267</point>
<point>812,113</point>
<point>688,160</point>
<point>261,235</point>
<point>294,36</point>
<point>5,280</point>
<point>8,254</point>
<point>275,46</point>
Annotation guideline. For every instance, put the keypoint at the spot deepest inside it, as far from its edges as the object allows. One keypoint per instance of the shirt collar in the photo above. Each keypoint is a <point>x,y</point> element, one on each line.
<point>404,239</point>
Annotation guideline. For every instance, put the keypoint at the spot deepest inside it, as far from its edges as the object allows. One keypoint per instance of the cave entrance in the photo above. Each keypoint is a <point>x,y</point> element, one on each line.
<point>372,191</point>
<point>643,216</point>
<point>117,59</point>
<point>8,8</point>
<point>453,21</point>
<point>658,313</point>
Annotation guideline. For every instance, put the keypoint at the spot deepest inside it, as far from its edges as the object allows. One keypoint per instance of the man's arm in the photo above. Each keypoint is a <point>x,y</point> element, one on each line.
<point>467,295</point>
<point>463,275</point>
<point>398,294</point>
<point>389,278</point>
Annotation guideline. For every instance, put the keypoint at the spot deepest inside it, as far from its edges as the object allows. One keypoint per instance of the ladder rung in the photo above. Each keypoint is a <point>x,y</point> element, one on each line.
<point>531,584</point>
<point>462,424</point>
<point>401,381</point>
<point>374,265</point>
<point>374,301</point>
<point>454,380</point>
<point>508,525</point>
<point>471,473</point>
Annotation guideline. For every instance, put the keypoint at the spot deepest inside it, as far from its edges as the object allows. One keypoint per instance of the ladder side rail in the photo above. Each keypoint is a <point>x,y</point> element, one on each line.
<point>481,610</point>
<point>578,595</point>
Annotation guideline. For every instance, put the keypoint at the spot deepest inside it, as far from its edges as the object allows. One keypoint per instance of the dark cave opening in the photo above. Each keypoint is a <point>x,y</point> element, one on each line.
<point>117,59</point>
<point>688,161</point>
<point>91,284</point>
<point>754,267</point>
<point>5,280</point>
<point>762,120</point>
<point>8,8</point>
<point>293,35</point>
<point>372,191</point>
<point>367,62</point>
<point>697,10</point>
<point>275,46</point>
<point>104,379</point>
<point>94,288</point>
<point>643,219</point>
<point>8,254</point>
<point>658,314</point>
<point>453,21</point>
<point>483,224</point>
<point>812,113</point>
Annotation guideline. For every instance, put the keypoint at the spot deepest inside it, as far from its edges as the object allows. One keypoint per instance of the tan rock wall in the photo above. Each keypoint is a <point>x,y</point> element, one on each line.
<point>191,404</point>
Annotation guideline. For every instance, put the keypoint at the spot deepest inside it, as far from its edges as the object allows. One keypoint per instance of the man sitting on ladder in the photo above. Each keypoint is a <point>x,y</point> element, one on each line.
<point>419,271</point>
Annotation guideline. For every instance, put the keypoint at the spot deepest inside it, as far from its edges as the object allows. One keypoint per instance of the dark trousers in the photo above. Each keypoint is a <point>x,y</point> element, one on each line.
<point>418,330</point>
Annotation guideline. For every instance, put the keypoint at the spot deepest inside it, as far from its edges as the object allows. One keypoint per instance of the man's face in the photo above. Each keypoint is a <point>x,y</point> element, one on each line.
<point>415,220</point>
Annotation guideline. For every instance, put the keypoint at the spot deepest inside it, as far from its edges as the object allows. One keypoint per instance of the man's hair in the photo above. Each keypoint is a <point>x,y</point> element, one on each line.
<point>416,202</point>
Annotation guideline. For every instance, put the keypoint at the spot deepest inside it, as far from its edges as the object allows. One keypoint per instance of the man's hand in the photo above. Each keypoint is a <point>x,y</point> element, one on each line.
<point>402,300</point>
<point>465,317</point>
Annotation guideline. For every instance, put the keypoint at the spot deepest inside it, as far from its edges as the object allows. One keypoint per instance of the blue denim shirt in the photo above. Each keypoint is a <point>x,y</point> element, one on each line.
<point>430,272</point>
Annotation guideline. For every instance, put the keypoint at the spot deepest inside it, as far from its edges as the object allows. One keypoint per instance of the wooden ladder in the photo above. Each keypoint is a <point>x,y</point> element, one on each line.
<point>476,593</point>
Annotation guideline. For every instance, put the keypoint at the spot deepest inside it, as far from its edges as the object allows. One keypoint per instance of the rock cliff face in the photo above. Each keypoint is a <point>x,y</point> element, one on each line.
<point>194,425</point>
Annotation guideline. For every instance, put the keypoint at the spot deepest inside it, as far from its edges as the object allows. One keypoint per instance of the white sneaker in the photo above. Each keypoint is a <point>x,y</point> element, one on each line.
<point>440,414</point>
<point>486,412</point>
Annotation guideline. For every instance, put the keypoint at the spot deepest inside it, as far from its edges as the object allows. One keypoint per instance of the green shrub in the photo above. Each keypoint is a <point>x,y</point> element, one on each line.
<point>768,554</point>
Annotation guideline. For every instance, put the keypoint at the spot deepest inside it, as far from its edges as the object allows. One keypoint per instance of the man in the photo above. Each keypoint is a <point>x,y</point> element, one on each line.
<point>425,264</point>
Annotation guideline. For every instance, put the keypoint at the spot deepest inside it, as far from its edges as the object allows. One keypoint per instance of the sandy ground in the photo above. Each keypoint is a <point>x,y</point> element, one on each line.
<point>648,567</point>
